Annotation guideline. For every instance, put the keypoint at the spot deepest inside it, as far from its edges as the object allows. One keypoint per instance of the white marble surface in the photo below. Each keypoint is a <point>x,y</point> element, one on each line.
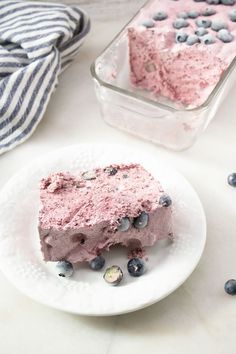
<point>199,317</point>
<point>106,9</point>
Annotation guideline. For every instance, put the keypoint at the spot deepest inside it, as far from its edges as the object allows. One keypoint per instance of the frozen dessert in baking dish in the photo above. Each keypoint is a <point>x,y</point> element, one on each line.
<point>82,215</point>
<point>179,49</point>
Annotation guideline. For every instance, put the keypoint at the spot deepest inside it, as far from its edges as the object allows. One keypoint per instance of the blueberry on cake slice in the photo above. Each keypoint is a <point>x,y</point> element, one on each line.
<point>81,215</point>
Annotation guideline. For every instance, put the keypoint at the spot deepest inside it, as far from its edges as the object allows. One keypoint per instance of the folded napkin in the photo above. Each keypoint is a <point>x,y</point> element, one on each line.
<point>37,41</point>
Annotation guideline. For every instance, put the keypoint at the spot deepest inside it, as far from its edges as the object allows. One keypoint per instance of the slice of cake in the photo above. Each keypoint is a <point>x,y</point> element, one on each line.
<point>82,215</point>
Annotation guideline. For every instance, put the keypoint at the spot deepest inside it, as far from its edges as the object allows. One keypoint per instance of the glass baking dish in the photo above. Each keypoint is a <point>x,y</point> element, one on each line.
<point>136,112</point>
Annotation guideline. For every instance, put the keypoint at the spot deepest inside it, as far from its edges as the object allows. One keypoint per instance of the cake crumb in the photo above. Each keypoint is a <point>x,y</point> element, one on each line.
<point>136,253</point>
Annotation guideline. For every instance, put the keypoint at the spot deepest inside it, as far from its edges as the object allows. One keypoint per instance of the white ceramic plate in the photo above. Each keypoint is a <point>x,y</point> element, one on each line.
<point>168,266</point>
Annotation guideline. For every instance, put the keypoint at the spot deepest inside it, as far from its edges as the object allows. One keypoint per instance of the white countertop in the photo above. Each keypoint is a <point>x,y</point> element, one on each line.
<point>197,318</point>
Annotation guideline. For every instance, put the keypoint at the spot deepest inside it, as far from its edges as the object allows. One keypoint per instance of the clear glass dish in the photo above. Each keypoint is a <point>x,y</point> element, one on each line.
<point>138,113</point>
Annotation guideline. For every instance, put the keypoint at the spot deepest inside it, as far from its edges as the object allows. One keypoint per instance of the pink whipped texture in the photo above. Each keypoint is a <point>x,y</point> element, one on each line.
<point>78,218</point>
<point>182,73</point>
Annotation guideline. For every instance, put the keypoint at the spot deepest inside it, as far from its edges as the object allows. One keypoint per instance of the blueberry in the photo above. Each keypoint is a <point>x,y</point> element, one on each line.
<point>113,275</point>
<point>218,25</point>
<point>111,171</point>
<point>181,37</point>
<point>193,39</point>
<point>136,267</point>
<point>64,268</point>
<point>225,36</point>
<point>232,15</point>
<point>148,23</point>
<point>165,200</point>
<point>88,175</point>
<point>228,2</point>
<point>180,23</point>
<point>208,39</point>
<point>232,179</point>
<point>230,287</point>
<point>201,31</point>
<point>203,23</point>
<point>97,263</point>
<point>160,16</point>
<point>213,2</point>
<point>124,224</point>
<point>193,14</point>
<point>183,15</point>
<point>208,12</point>
<point>141,221</point>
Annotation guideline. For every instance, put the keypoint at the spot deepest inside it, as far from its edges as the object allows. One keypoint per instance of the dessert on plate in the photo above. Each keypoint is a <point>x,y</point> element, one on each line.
<point>179,49</point>
<point>81,215</point>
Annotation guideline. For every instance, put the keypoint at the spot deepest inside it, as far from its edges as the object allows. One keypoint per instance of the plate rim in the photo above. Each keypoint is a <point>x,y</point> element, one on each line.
<point>142,305</point>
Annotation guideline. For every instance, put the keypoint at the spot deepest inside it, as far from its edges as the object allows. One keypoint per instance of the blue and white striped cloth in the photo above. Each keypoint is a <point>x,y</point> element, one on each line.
<point>37,41</point>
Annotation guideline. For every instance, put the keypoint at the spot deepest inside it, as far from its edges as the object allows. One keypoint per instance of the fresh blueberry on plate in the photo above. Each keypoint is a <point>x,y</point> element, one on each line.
<point>165,200</point>
<point>230,287</point>
<point>136,267</point>
<point>97,263</point>
<point>65,269</point>
<point>113,275</point>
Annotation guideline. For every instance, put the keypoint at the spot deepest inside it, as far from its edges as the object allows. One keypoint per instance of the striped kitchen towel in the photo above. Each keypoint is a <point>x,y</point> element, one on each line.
<point>37,41</point>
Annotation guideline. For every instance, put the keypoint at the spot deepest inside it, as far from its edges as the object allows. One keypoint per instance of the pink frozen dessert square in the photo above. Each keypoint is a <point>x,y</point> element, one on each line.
<point>83,214</point>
